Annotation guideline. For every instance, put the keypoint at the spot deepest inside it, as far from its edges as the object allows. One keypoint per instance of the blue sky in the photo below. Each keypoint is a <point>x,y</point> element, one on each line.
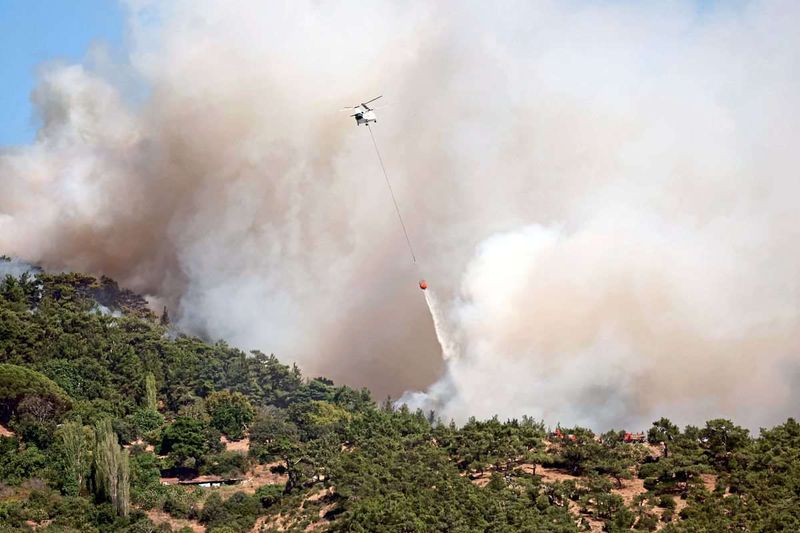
<point>35,31</point>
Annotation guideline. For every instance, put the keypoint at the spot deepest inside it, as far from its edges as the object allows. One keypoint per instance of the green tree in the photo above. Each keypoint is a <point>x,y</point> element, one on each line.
<point>146,420</point>
<point>75,447</point>
<point>663,432</point>
<point>186,441</point>
<point>150,392</point>
<point>18,461</point>
<point>18,384</point>
<point>721,440</point>
<point>112,474</point>
<point>230,412</point>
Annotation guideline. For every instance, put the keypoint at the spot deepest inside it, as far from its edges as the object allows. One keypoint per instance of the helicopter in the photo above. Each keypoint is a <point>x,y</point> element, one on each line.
<point>364,114</point>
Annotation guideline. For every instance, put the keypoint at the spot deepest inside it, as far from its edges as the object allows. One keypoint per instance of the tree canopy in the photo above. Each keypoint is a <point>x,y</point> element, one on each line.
<point>106,404</point>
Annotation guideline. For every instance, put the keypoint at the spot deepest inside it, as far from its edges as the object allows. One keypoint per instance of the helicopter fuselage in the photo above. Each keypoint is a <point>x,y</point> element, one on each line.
<point>365,117</point>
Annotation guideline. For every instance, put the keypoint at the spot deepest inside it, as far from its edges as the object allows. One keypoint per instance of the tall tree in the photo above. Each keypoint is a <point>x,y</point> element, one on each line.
<point>150,392</point>
<point>76,455</point>
<point>112,477</point>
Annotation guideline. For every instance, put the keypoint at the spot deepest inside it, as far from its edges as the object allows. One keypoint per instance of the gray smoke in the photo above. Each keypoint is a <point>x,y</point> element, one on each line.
<point>602,195</point>
<point>15,267</point>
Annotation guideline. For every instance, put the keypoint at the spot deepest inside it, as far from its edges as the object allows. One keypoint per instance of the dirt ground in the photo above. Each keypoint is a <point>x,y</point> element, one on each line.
<point>160,517</point>
<point>631,488</point>
<point>710,481</point>
<point>282,523</point>
<point>548,475</point>
<point>258,476</point>
<point>656,450</point>
<point>147,447</point>
<point>242,446</point>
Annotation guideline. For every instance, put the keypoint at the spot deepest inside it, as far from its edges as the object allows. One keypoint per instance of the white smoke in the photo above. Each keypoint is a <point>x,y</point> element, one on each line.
<point>15,267</point>
<point>612,325</point>
<point>602,195</point>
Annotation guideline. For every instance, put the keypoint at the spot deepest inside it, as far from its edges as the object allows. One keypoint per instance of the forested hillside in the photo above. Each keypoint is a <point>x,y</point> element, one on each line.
<point>112,422</point>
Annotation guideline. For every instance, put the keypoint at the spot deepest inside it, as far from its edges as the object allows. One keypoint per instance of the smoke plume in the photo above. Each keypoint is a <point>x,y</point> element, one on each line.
<point>602,196</point>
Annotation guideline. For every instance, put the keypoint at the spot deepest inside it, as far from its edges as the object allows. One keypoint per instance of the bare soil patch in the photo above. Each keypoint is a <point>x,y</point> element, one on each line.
<point>482,480</point>
<point>139,442</point>
<point>36,525</point>
<point>260,475</point>
<point>709,481</point>
<point>242,446</point>
<point>631,488</point>
<point>656,450</point>
<point>159,517</point>
<point>548,475</point>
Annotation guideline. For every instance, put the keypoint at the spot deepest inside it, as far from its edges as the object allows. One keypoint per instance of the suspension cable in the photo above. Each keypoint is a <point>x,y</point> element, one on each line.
<point>391,191</point>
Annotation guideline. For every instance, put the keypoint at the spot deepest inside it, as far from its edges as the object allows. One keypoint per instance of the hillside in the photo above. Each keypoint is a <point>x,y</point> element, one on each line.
<point>110,422</point>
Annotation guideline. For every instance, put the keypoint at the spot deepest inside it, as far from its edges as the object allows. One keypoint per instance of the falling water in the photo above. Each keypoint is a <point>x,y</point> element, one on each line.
<point>445,338</point>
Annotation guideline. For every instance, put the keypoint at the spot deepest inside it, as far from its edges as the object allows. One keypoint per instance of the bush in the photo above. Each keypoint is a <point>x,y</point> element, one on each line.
<point>18,463</point>
<point>647,522</point>
<point>269,495</point>
<point>11,513</point>
<point>41,504</point>
<point>222,529</point>
<point>213,510</point>
<point>666,502</point>
<point>76,512</point>
<point>225,464</point>
<point>650,483</point>
<point>177,504</point>
<point>243,504</point>
<point>33,430</point>
<point>238,512</point>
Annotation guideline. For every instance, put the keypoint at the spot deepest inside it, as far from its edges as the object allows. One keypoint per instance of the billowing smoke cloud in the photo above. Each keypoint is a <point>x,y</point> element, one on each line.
<point>602,195</point>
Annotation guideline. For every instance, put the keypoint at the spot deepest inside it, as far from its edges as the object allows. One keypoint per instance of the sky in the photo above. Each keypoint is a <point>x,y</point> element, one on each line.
<point>33,32</point>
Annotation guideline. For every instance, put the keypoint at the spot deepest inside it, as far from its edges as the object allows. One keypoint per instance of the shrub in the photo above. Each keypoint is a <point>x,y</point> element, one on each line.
<point>225,464</point>
<point>666,502</point>
<point>18,463</point>
<point>269,495</point>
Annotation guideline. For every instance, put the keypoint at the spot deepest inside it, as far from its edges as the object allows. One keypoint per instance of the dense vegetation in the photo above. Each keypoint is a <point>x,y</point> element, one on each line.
<point>102,402</point>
